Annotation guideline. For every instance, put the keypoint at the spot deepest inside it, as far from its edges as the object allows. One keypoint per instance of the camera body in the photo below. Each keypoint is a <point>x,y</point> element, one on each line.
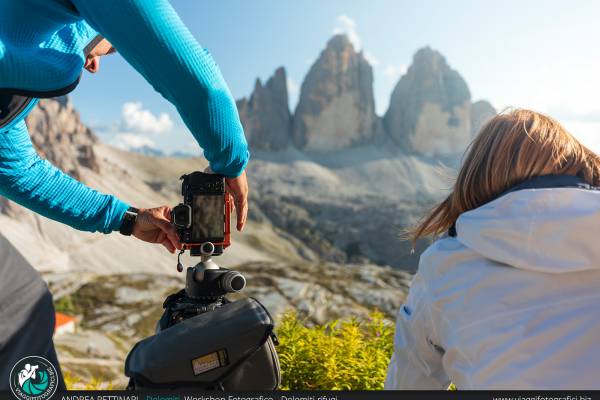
<point>204,215</point>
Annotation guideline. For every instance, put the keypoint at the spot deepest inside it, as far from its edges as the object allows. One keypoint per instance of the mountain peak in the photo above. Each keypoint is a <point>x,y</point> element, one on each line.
<point>426,53</point>
<point>336,108</point>
<point>266,116</point>
<point>339,42</point>
<point>429,110</point>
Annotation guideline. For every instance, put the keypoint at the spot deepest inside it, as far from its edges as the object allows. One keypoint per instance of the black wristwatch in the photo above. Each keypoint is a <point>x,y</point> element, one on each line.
<point>129,219</point>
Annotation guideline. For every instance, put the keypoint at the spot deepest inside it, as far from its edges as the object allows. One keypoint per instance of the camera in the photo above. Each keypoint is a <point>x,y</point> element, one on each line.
<point>204,215</point>
<point>203,225</point>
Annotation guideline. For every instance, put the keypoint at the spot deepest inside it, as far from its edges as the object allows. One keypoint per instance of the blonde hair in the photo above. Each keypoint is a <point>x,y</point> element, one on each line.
<point>512,147</point>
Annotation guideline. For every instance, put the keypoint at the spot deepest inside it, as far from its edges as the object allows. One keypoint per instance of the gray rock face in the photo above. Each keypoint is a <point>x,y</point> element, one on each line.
<point>481,112</point>
<point>336,108</point>
<point>59,136</point>
<point>266,116</point>
<point>429,110</point>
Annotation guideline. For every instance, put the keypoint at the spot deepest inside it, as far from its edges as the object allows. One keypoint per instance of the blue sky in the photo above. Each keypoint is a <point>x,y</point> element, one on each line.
<point>536,54</point>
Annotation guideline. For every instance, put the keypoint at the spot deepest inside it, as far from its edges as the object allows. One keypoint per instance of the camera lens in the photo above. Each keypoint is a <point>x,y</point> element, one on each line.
<point>233,281</point>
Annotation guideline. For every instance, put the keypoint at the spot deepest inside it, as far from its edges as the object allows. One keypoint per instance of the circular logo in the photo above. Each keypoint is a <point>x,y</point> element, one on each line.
<point>33,378</point>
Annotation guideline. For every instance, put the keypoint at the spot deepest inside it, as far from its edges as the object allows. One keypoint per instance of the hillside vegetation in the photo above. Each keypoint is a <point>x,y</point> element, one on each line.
<point>340,355</point>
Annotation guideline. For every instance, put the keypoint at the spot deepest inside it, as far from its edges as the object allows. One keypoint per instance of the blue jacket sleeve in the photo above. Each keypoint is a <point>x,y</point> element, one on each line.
<point>153,39</point>
<point>33,182</point>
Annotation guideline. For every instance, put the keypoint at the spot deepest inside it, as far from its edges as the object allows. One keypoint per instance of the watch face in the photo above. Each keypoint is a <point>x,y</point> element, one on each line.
<point>129,221</point>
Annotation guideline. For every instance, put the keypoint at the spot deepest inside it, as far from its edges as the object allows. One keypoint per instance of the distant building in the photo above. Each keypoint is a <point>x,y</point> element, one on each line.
<point>64,323</point>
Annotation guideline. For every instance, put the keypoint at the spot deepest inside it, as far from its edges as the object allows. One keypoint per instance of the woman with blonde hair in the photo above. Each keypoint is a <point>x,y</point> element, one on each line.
<point>509,296</point>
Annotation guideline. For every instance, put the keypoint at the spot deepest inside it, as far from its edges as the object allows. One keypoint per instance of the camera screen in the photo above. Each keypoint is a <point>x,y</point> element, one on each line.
<point>208,217</point>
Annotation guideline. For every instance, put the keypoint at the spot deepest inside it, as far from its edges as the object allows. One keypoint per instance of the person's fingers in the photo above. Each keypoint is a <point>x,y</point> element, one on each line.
<point>166,211</point>
<point>239,188</point>
<point>241,208</point>
<point>92,64</point>
<point>167,243</point>
<point>169,230</point>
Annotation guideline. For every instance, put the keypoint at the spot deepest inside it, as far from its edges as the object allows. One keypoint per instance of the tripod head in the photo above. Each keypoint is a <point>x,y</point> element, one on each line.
<point>207,281</point>
<point>206,285</point>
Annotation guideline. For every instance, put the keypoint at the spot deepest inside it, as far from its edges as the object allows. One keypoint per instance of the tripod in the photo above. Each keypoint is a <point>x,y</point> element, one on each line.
<point>206,287</point>
<point>203,341</point>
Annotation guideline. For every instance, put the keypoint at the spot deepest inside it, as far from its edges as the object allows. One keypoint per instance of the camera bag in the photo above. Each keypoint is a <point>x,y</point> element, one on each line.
<point>229,348</point>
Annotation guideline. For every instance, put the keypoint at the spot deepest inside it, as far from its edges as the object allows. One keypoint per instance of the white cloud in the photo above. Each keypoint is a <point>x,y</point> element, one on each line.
<point>347,25</point>
<point>134,118</point>
<point>374,61</point>
<point>130,141</point>
<point>393,72</point>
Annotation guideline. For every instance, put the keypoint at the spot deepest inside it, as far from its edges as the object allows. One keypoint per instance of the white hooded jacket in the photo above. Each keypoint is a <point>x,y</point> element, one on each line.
<point>511,302</point>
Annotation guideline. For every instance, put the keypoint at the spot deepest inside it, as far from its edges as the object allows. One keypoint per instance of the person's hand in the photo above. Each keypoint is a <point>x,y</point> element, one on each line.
<point>238,187</point>
<point>153,225</point>
<point>92,59</point>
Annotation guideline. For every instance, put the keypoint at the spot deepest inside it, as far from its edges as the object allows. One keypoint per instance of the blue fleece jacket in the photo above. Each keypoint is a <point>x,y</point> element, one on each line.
<point>42,49</point>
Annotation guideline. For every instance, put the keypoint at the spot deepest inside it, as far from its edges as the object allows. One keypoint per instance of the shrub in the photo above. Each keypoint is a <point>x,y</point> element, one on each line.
<point>74,383</point>
<point>65,305</point>
<point>341,355</point>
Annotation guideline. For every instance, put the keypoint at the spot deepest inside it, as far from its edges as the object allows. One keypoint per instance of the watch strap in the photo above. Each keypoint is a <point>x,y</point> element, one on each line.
<point>129,219</point>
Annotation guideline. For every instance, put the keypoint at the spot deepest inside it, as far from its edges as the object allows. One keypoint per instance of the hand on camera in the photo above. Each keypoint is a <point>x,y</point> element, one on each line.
<point>238,187</point>
<point>153,225</point>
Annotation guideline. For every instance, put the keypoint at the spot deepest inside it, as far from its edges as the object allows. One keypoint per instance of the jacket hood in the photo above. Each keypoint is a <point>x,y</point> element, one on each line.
<point>547,224</point>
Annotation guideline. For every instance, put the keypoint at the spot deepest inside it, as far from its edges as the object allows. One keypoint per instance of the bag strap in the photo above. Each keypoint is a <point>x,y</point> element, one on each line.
<point>219,382</point>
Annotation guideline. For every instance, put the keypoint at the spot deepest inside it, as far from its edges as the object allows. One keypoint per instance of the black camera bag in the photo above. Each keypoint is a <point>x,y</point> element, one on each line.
<point>229,348</point>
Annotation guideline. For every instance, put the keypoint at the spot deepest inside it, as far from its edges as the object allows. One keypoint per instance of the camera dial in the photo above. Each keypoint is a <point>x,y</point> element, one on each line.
<point>207,249</point>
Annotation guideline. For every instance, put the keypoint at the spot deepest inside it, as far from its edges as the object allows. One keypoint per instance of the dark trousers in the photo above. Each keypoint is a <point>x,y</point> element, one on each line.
<point>26,314</point>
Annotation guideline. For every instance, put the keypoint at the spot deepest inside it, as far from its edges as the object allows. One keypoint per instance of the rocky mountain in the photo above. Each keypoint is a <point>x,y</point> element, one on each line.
<point>59,135</point>
<point>481,112</point>
<point>430,112</point>
<point>336,109</point>
<point>430,108</point>
<point>266,116</point>
<point>347,206</point>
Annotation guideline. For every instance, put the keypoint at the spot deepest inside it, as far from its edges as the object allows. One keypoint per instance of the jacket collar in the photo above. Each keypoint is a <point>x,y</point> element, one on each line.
<point>542,182</point>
